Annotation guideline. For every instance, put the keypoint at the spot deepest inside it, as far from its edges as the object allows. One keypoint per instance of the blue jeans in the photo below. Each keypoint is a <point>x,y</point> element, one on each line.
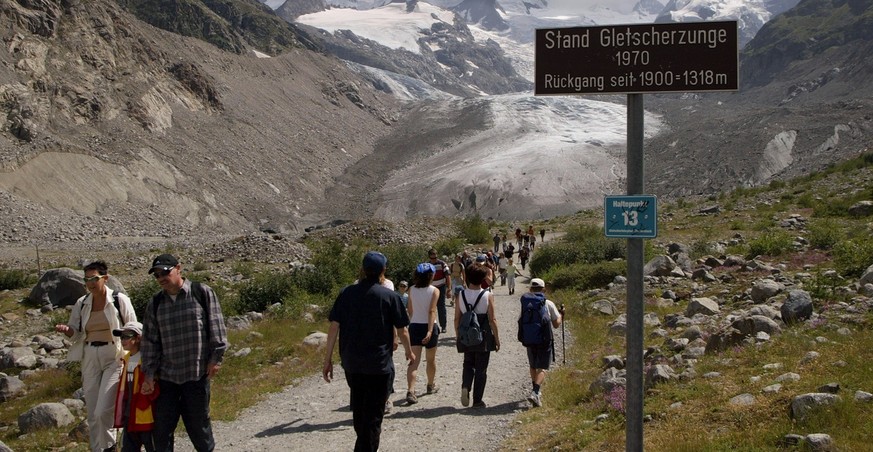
<point>190,400</point>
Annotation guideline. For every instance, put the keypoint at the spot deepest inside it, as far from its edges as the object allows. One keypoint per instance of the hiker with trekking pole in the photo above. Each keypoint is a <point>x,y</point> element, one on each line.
<point>539,317</point>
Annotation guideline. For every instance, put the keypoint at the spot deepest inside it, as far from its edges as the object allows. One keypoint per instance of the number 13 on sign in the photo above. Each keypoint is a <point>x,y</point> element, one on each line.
<point>630,216</point>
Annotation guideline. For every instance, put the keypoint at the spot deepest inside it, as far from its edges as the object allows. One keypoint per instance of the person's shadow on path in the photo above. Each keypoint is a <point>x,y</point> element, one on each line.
<point>301,426</point>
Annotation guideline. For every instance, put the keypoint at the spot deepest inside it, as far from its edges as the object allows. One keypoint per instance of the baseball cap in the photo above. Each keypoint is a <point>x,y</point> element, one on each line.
<point>425,267</point>
<point>403,284</point>
<point>375,261</point>
<point>536,282</point>
<point>163,262</point>
<point>136,327</point>
<point>481,258</point>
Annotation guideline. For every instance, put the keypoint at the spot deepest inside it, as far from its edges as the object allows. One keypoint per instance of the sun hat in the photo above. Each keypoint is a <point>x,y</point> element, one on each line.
<point>136,327</point>
<point>536,282</point>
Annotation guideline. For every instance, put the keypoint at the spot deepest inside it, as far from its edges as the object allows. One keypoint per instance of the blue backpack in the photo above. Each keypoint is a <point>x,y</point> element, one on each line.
<point>535,323</point>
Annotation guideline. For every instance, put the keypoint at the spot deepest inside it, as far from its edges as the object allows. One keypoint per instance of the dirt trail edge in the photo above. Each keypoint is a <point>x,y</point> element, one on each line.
<point>314,415</point>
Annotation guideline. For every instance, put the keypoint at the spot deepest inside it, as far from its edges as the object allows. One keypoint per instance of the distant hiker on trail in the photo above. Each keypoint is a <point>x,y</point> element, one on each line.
<point>502,263</point>
<point>442,279</point>
<point>365,317</point>
<point>533,241</point>
<point>92,320</point>
<point>488,281</point>
<point>536,322</point>
<point>523,255</point>
<point>402,289</point>
<point>518,237</point>
<point>530,230</point>
<point>457,270</point>
<point>423,331</point>
<point>476,358</point>
<point>510,250</point>
<point>183,344</point>
<point>496,242</point>
<point>542,235</point>
<point>511,271</point>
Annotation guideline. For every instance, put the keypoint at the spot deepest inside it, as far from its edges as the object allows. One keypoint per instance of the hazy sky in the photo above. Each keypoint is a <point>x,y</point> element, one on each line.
<point>582,5</point>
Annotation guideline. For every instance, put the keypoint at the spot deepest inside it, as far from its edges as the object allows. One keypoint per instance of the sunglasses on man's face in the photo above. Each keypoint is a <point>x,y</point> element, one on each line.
<point>94,278</point>
<point>127,336</point>
<point>162,273</point>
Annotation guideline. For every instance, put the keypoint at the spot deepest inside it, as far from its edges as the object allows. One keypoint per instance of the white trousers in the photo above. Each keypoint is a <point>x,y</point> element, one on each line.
<point>100,373</point>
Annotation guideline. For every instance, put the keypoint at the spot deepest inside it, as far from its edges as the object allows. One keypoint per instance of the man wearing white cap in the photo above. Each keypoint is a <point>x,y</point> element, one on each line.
<point>538,317</point>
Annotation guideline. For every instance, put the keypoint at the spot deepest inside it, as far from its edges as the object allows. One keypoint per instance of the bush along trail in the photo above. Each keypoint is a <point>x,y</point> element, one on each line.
<point>314,415</point>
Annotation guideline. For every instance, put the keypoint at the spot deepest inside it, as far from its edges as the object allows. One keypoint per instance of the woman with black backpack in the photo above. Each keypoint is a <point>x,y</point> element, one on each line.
<point>476,355</point>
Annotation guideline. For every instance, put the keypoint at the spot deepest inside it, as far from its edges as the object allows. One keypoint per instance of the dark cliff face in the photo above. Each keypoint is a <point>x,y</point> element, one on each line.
<point>483,12</point>
<point>293,9</point>
<point>231,25</point>
<point>807,31</point>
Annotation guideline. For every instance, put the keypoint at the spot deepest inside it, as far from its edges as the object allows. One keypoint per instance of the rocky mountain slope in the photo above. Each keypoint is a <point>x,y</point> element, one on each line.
<point>804,103</point>
<point>116,128</point>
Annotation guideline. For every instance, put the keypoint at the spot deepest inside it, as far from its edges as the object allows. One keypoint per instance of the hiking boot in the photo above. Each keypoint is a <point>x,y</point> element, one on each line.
<point>443,330</point>
<point>479,404</point>
<point>433,389</point>
<point>411,398</point>
<point>388,406</point>
<point>465,396</point>
<point>535,399</point>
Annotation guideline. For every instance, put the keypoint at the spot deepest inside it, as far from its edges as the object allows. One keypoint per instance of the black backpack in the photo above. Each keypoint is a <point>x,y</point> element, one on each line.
<point>469,330</point>
<point>535,323</point>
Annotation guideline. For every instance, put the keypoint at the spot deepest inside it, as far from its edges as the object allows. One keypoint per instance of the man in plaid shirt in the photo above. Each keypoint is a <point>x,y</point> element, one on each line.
<point>183,343</point>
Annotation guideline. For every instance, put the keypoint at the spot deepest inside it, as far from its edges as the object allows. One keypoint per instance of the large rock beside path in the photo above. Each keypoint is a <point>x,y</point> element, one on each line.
<point>45,415</point>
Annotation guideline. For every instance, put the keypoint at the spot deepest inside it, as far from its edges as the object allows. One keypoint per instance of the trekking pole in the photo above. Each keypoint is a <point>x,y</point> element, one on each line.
<point>563,344</point>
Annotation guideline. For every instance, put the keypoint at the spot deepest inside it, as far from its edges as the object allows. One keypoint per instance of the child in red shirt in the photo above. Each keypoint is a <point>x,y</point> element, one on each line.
<point>133,410</point>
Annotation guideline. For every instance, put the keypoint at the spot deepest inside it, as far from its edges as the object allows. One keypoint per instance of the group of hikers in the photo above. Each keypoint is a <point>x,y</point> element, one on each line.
<point>143,377</point>
<point>370,320</point>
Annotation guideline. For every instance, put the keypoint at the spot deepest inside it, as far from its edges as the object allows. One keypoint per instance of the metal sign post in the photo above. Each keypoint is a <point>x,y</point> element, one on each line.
<point>636,59</point>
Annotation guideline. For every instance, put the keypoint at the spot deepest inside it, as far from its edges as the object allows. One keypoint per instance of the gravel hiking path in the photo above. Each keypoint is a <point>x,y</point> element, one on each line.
<point>314,415</point>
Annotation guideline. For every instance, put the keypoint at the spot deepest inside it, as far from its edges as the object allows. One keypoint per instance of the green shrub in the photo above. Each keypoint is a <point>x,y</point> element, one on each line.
<point>402,260</point>
<point>580,244</point>
<point>852,257</point>
<point>11,279</point>
<point>448,247</point>
<point>584,276</point>
<point>262,291</point>
<point>774,243</point>
<point>834,207</point>
<point>244,268</point>
<point>141,294</point>
<point>824,234</point>
<point>806,201</point>
<point>475,230</point>
<point>297,302</point>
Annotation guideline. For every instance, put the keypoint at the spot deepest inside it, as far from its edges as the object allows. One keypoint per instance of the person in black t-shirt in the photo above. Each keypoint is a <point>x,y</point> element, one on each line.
<point>365,317</point>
